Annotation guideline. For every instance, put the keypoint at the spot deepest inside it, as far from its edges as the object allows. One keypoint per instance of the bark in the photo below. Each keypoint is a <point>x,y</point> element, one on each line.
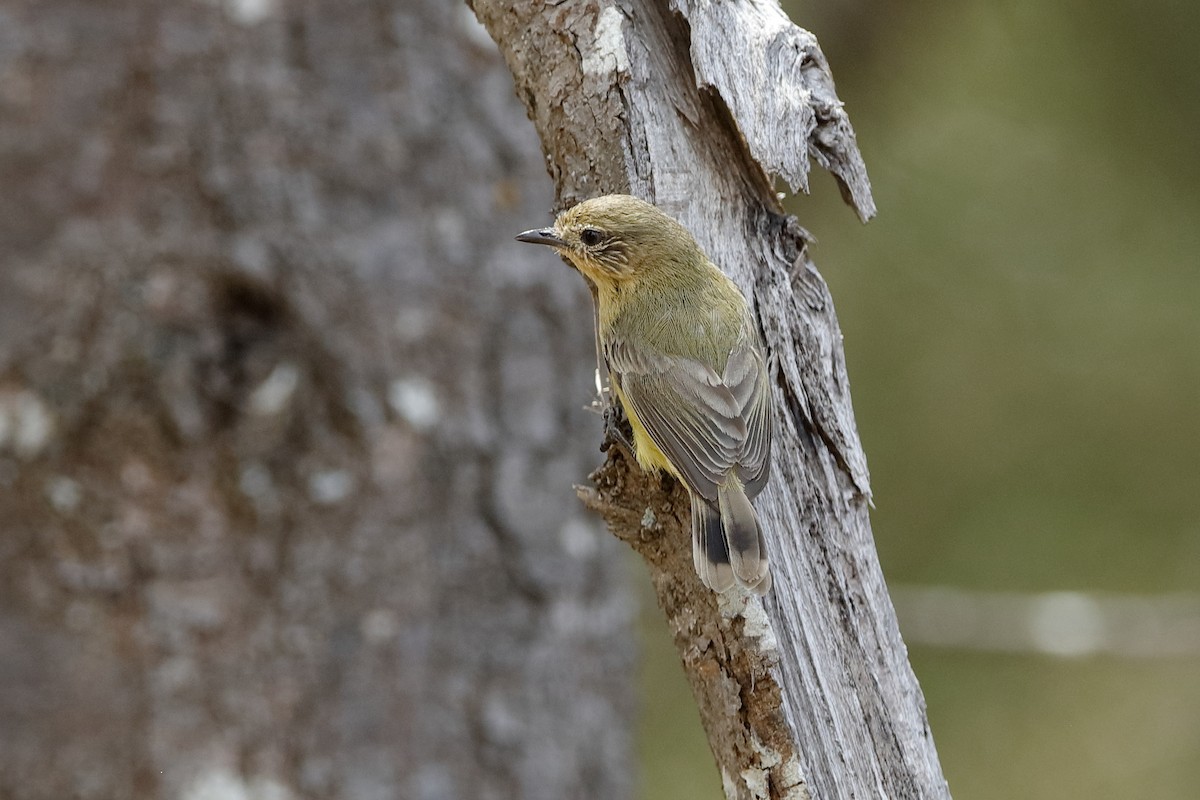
<point>694,105</point>
<point>288,423</point>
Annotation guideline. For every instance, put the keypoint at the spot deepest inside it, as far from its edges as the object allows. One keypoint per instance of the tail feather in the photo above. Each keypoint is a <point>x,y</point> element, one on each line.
<point>699,551</point>
<point>727,543</point>
<point>747,551</point>
<point>709,552</point>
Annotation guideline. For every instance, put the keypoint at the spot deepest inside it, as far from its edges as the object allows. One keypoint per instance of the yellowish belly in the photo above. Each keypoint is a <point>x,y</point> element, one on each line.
<point>649,457</point>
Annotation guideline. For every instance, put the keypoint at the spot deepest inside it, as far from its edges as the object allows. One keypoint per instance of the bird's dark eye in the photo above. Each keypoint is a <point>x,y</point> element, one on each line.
<point>590,237</point>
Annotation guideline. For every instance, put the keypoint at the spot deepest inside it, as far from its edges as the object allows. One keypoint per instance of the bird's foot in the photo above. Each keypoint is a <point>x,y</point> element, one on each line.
<point>615,426</point>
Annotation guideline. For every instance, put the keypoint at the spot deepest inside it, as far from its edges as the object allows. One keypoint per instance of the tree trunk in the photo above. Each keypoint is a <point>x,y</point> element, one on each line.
<point>693,105</point>
<point>287,421</point>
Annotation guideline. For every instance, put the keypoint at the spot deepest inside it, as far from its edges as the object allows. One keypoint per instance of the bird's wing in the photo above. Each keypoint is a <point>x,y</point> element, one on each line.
<point>704,423</point>
<point>746,376</point>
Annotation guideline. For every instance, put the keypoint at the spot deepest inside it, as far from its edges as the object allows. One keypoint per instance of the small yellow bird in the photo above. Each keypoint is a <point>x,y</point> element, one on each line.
<point>686,362</point>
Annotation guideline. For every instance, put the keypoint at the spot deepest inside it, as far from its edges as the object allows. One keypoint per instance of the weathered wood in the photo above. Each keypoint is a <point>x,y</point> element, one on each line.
<point>691,105</point>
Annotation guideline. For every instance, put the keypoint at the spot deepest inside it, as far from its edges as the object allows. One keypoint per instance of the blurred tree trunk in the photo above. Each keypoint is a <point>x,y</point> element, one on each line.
<point>288,425</point>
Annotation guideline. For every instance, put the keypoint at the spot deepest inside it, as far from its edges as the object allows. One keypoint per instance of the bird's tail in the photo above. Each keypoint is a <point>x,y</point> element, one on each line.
<point>727,544</point>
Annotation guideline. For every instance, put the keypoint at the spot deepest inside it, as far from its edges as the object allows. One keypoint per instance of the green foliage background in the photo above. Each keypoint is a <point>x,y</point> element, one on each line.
<point>1022,328</point>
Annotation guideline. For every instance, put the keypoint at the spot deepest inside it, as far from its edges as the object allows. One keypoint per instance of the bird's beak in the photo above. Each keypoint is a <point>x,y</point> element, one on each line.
<point>541,236</point>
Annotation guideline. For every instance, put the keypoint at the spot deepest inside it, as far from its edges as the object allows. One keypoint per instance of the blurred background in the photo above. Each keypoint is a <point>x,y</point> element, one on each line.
<point>1022,329</point>
<point>289,424</point>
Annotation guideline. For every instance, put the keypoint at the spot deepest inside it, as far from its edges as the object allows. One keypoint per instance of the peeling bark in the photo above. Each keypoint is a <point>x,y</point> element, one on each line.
<point>694,106</point>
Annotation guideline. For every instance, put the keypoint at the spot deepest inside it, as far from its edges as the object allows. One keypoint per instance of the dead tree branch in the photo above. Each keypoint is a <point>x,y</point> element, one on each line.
<point>695,105</point>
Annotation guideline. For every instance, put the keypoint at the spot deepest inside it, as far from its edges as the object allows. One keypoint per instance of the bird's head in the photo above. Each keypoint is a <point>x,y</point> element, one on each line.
<point>616,238</point>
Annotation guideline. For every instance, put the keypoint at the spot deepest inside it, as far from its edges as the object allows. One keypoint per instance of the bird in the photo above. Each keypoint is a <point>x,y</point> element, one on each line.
<point>687,364</point>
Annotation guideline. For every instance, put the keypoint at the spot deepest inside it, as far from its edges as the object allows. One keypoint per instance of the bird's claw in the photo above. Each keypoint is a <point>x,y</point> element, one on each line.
<point>614,431</point>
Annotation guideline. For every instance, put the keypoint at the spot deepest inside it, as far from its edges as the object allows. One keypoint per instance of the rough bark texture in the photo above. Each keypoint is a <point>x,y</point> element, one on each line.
<point>690,105</point>
<point>288,423</point>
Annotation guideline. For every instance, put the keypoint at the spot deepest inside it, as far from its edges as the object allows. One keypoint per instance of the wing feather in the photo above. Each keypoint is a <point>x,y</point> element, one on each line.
<point>706,424</point>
